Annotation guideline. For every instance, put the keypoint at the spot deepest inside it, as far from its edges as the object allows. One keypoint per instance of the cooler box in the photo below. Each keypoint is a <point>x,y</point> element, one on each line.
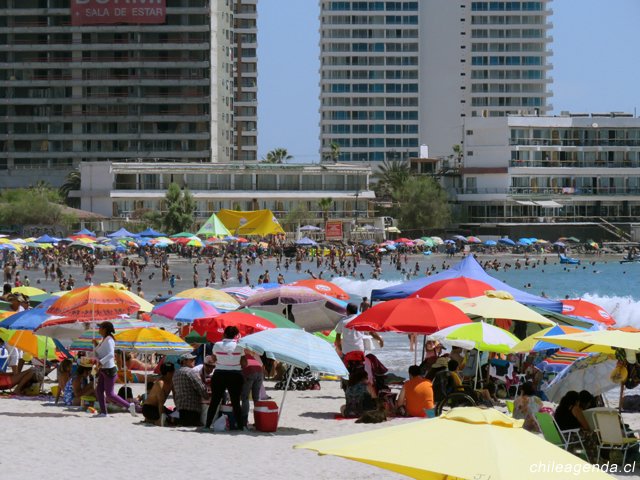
<point>265,415</point>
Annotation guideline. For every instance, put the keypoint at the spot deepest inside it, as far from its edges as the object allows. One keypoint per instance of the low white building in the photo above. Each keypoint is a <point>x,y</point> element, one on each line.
<point>124,190</point>
<point>567,168</point>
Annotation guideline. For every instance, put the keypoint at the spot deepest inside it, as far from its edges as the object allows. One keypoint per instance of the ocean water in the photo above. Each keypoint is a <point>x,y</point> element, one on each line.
<point>607,282</point>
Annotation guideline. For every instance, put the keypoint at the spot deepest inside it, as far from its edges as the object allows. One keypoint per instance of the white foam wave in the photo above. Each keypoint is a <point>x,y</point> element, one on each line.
<point>625,310</point>
<point>362,288</point>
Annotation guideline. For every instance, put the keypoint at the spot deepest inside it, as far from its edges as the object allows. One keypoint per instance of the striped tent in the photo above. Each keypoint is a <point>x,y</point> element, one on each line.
<point>559,361</point>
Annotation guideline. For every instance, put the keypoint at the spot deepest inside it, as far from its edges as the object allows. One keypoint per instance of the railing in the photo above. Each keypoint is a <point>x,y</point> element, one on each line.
<point>227,187</point>
<point>310,217</point>
<point>573,164</point>
<point>574,191</point>
<point>574,142</point>
<point>547,219</point>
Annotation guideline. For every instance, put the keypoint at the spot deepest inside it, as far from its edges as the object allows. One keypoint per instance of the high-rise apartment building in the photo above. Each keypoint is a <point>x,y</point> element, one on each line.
<point>87,80</point>
<point>413,71</point>
<point>246,80</point>
<point>369,98</point>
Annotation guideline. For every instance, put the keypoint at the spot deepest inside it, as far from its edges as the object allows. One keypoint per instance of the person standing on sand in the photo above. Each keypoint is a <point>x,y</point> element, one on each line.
<point>228,376</point>
<point>105,353</point>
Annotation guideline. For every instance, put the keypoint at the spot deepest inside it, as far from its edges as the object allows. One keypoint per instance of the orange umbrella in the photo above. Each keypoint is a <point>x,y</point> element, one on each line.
<point>324,287</point>
<point>87,304</point>
<point>581,308</point>
<point>454,287</point>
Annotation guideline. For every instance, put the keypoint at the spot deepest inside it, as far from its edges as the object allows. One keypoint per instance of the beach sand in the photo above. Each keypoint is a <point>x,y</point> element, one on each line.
<point>44,441</point>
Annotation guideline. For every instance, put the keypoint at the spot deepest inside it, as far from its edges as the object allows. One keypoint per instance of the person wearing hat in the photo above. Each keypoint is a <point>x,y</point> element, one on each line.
<point>189,391</point>
<point>205,371</point>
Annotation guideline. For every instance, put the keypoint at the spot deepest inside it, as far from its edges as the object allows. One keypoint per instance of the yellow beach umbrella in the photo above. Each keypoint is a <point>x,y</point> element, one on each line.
<point>144,305</point>
<point>495,447</point>
<point>116,285</point>
<point>28,291</point>
<point>147,340</point>
<point>498,304</point>
<point>210,295</point>
<point>28,342</point>
<point>600,341</point>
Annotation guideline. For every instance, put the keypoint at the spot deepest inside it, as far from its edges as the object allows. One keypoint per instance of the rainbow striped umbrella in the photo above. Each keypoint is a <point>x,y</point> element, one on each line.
<point>218,298</point>
<point>147,340</point>
<point>185,310</point>
<point>559,361</point>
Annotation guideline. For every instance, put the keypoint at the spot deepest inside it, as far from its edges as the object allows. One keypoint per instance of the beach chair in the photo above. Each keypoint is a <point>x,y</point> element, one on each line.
<point>612,435</point>
<point>566,439</point>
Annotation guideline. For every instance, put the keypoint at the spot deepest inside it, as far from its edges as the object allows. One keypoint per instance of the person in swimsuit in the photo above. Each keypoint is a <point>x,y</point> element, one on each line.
<point>153,407</point>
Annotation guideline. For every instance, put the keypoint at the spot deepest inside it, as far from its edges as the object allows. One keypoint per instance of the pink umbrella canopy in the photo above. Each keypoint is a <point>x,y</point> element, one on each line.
<point>185,310</point>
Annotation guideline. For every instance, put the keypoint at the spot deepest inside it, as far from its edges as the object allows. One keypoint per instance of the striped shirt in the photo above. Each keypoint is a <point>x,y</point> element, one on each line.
<point>228,354</point>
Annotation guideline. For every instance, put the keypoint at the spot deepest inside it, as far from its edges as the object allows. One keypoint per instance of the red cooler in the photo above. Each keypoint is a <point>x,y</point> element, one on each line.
<point>265,415</point>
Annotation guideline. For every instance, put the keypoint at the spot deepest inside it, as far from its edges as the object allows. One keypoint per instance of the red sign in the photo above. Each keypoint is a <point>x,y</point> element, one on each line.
<point>333,231</point>
<point>107,12</point>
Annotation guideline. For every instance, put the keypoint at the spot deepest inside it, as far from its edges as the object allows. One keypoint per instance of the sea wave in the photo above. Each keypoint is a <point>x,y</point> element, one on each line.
<point>362,288</point>
<point>625,310</point>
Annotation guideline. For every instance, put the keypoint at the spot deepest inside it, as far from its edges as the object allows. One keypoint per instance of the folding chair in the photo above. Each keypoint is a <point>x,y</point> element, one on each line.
<point>561,438</point>
<point>612,434</point>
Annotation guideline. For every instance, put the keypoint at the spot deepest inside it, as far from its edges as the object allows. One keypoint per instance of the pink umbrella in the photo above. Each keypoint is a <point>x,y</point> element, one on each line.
<point>185,310</point>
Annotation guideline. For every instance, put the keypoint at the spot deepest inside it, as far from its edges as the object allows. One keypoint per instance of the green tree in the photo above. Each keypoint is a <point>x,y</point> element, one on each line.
<point>277,155</point>
<point>421,204</point>
<point>71,183</point>
<point>334,153</point>
<point>325,205</point>
<point>32,206</point>
<point>296,216</point>
<point>391,175</point>
<point>180,207</point>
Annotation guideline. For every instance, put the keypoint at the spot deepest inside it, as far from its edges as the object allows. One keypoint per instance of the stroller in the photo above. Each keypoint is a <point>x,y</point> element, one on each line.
<point>301,379</point>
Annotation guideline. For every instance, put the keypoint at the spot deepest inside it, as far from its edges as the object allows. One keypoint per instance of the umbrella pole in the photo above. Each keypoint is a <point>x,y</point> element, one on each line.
<point>44,368</point>
<point>475,377</point>
<point>620,400</point>
<point>286,387</point>
<point>124,369</point>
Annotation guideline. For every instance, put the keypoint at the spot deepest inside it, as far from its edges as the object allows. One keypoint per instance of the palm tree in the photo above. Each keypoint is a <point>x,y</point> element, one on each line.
<point>277,155</point>
<point>334,153</point>
<point>457,154</point>
<point>391,175</point>
<point>72,182</point>
<point>325,205</point>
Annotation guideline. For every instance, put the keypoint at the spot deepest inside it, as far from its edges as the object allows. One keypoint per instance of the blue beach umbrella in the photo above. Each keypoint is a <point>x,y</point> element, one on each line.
<point>29,319</point>
<point>507,241</point>
<point>297,348</point>
<point>490,243</point>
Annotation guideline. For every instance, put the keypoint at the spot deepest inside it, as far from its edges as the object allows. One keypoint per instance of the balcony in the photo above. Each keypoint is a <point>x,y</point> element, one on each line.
<point>578,191</point>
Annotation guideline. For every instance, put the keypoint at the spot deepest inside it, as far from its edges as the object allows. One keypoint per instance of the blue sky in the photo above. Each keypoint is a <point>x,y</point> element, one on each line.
<point>596,67</point>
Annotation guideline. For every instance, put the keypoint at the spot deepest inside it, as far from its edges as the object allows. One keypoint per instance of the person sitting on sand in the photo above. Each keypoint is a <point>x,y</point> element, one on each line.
<point>188,392</point>
<point>526,406</point>
<point>78,386</point>
<point>153,407</point>
<point>23,380</point>
<point>64,375</point>
<point>416,395</point>
<point>359,395</point>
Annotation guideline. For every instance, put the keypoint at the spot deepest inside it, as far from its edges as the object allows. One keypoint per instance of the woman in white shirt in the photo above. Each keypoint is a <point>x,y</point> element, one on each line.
<point>105,353</point>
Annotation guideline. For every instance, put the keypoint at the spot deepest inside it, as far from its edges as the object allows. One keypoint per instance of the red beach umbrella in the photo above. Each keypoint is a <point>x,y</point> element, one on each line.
<point>409,315</point>
<point>324,287</point>
<point>454,287</point>
<point>213,327</point>
<point>581,308</point>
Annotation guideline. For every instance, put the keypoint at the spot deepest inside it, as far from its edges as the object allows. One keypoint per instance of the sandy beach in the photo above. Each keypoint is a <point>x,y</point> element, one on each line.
<point>42,440</point>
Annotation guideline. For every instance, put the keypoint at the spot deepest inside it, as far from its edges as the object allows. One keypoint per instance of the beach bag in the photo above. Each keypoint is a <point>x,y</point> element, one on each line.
<point>221,424</point>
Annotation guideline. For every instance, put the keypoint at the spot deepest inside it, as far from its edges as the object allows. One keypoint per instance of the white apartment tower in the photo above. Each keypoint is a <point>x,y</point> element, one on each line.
<point>369,67</point>
<point>439,61</point>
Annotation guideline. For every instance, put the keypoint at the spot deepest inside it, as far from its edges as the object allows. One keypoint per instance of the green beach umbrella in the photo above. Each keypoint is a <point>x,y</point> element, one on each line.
<point>275,318</point>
